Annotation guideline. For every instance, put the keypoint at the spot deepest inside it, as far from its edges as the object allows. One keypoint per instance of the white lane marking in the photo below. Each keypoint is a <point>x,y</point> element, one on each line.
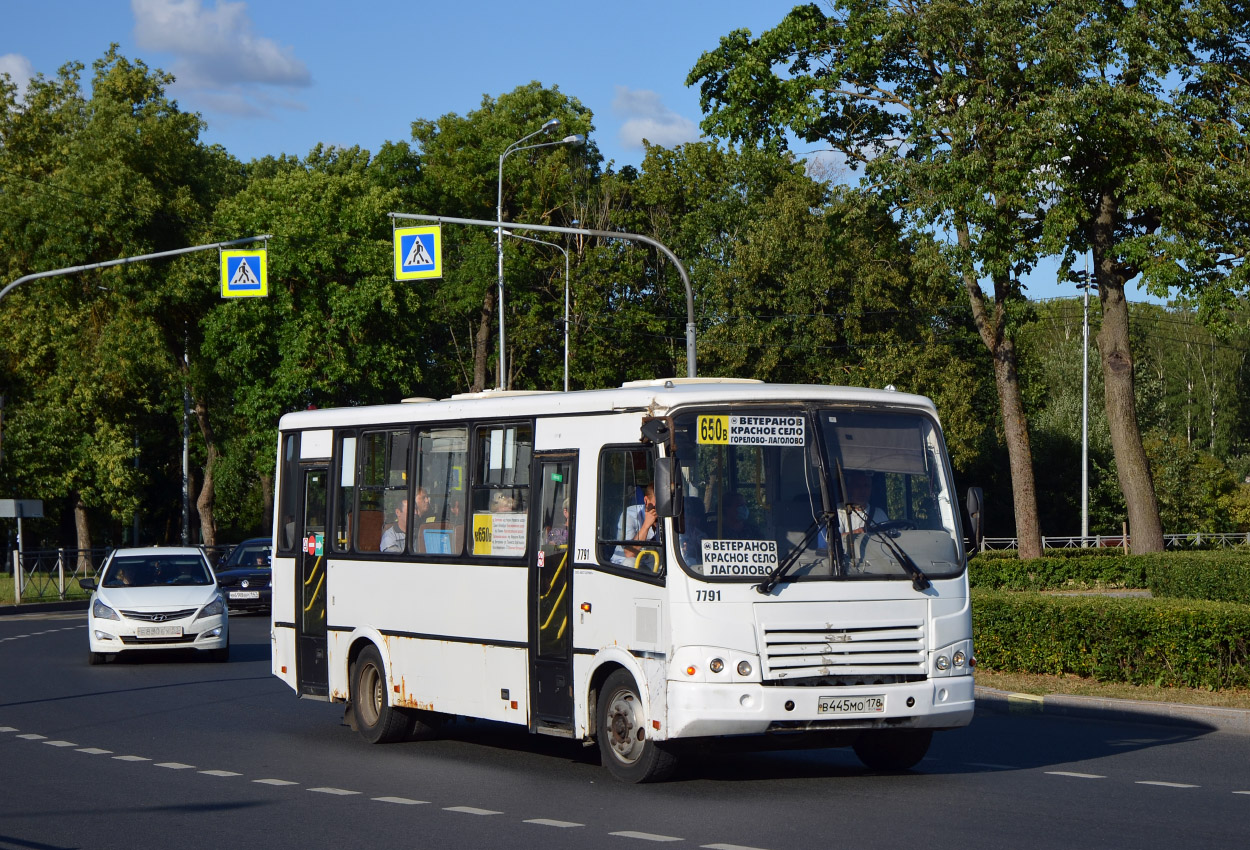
<point>94,751</point>
<point>1241,792</point>
<point>8,728</point>
<point>60,744</point>
<point>645,836</point>
<point>274,782</point>
<point>1075,775</point>
<point>402,801</point>
<point>727,847</point>
<point>469,810</point>
<point>31,736</point>
<point>131,758</point>
<point>175,765</point>
<point>220,773</point>
<point>564,824</point>
<point>1166,784</point>
<point>342,792</point>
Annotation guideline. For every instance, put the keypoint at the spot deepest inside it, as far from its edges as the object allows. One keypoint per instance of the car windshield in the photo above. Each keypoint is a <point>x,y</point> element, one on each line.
<point>157,571</point>
<point>848,489</point>
<point>250,555</point>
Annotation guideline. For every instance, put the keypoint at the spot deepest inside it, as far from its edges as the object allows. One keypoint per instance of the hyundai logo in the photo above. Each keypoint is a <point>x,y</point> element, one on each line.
<point>159,618</point>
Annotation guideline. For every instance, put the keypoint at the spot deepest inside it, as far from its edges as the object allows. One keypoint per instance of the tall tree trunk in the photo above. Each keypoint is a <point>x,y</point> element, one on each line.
<point>82,533</point>
<point>992,328</point>
<point>482,341</point>
<point>208,494</point>
<point>1132,466</point>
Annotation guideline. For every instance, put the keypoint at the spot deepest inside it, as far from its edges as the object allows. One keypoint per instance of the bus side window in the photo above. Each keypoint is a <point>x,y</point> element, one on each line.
<point>625,478</point>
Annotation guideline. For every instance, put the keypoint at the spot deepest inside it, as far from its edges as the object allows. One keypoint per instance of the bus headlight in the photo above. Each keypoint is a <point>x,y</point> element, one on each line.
<point>716,665</point>
<point>958,659</point>
<point>744,668</point>
<point>943,663</point>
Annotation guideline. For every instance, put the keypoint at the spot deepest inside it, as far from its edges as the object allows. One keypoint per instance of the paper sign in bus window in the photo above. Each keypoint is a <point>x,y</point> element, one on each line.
<point>752,430</point>
<point>739,557</point>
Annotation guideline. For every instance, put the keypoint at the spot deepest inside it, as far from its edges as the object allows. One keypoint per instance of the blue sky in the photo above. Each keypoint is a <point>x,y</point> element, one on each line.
<point>279,77</point>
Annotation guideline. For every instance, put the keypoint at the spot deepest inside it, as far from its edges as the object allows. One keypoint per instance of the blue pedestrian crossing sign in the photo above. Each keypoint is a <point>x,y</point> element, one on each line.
<point>418,252</point>
<point>244,274</point>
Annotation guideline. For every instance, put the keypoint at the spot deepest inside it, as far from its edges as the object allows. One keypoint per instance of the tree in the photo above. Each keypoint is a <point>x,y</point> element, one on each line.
<point>922,95</point>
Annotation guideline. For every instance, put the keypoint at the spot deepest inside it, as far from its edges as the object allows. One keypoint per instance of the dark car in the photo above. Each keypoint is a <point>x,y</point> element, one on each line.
<point>244,575</point>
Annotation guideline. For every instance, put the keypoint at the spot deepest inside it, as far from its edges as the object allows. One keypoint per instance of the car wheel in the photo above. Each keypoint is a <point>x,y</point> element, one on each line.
<point>893,750</point>
<point>626,751</point>
<point>376,720</point>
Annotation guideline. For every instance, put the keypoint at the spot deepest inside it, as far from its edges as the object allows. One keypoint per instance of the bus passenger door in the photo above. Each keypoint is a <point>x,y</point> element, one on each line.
<point>310,585</point>
<point>551,594</point>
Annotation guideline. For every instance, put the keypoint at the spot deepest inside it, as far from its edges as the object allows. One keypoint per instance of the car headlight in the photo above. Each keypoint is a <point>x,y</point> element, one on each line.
<point>213,608</point>
<point>102,612</point>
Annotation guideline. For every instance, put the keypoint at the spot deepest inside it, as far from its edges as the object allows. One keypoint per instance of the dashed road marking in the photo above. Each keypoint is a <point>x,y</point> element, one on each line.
<point>8,729</point>
<point>60,744</point>
<point>402,801</point>
<point>31,736</point>
<point>341,792</point>
<point>549,822</point>
<point>175,765</point>
<point>645,836</point>
<point>220,773</point>
<point>131,758</point>
<point>469,810</point>
<point>1166,784</point>
<point>94,751</point>
<point>274,782</point>
<point>1241,792</point>
<point>1074,775</point>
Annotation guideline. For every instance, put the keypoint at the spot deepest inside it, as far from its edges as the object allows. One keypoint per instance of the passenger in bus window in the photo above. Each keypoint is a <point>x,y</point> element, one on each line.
<point>641,524</point>
<point>558,535</point>
<point>425,511</point>
<point>735,519</point>
<point>502,502</point>
<point>397,532</point>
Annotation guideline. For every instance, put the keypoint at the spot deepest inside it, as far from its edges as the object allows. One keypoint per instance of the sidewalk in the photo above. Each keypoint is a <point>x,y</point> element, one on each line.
<point>1206,717</point>
<point>42,607</point>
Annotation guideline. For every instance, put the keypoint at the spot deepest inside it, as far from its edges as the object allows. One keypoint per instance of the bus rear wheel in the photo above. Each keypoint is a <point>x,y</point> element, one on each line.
<point>894,749</point>
<point>626,751</point>
<point>376,720</point>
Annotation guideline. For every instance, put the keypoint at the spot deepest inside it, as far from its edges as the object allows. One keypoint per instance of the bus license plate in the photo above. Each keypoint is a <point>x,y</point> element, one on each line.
<point>873,704</point>
<point>159,631</point>
<point>245,594</point>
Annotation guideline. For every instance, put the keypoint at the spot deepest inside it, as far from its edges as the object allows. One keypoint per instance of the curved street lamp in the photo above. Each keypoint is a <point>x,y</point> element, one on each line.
<point>518,145</point>
<point>563,251</point>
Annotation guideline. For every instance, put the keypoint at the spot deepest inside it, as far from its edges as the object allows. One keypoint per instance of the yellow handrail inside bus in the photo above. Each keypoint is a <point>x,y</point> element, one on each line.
<point>555,606</point>
<point>655,557</point>
<point>559,570</point>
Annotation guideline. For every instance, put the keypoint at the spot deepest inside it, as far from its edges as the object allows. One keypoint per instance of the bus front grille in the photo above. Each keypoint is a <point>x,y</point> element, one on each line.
<point>878,653</point>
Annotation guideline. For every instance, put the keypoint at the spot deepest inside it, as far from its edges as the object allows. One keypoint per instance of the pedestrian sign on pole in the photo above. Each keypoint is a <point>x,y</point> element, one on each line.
<point>244,274</point>
<point>418,252</point>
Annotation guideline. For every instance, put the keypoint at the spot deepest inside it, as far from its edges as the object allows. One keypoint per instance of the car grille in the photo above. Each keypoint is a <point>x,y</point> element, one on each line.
<point>131,640</point>
<point>158,616</point>
<point>852,655</point>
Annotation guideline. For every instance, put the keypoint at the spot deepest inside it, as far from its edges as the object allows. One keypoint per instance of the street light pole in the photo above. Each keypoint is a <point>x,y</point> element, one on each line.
<point>566,294</point>
<point>513,148</point>
<point>1085,285</point>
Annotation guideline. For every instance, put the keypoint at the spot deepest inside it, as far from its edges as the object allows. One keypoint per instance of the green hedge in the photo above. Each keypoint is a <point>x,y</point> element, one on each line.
<point>1163,642</point>
<point>1220,576</point>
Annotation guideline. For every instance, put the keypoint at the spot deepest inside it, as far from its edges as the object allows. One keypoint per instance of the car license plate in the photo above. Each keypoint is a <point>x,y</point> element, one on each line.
<point>245,594</point>
<point>873,704</point>
<point>159,631</point>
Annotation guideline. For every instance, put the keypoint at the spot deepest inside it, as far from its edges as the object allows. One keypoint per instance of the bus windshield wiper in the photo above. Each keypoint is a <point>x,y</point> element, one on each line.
<point>773,578</point>
<point>919,581</point>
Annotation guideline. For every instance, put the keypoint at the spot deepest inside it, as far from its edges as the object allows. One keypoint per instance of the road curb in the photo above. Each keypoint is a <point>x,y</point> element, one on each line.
<point>42,607</point>
<point>1206,717</point>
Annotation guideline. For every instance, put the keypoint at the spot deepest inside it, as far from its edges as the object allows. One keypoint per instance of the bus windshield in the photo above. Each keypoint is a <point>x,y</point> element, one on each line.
<point>845,493</point>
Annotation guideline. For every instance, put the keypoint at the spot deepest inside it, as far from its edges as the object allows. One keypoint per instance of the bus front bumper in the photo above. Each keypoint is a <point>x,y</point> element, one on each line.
<point>699,709</point>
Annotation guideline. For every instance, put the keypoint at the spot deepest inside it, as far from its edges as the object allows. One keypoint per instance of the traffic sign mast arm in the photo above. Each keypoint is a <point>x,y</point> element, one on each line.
<point>124,260</point>
<point>605,234</point>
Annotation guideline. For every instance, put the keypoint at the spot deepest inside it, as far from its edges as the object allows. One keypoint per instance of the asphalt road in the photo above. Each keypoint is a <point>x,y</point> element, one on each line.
<point>170,751</point>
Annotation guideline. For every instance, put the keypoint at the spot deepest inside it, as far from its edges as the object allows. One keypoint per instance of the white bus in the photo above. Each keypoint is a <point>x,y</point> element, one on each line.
<point>671,560</point>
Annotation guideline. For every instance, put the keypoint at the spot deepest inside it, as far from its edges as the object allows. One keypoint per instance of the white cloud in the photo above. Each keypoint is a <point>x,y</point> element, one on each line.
<point>19,69</point>
<point>216,50</point>
<point>646,117</point>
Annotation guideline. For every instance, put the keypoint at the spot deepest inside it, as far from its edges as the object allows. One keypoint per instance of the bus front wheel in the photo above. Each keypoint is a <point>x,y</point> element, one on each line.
<point>376,720</point>
<point>627,752</point>
<point>893,749</point>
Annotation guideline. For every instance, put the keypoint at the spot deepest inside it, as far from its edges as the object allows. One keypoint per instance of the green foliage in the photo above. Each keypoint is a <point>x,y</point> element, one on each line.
<point>1165,642</point>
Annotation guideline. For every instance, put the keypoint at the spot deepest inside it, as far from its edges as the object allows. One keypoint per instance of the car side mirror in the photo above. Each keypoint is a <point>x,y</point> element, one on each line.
<point>668,501</point>
<point>87,583</point>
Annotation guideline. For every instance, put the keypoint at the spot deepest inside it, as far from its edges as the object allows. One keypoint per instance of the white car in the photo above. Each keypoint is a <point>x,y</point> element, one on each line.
<point>157,598</point>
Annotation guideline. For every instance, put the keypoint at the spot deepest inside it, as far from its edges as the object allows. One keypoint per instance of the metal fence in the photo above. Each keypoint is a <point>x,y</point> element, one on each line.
<point>1195,540</point>
<point>52,574</point>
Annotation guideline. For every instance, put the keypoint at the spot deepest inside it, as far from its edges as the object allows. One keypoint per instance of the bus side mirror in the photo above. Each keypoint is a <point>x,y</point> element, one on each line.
<point>976,503</point>
<point>668,500</point>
